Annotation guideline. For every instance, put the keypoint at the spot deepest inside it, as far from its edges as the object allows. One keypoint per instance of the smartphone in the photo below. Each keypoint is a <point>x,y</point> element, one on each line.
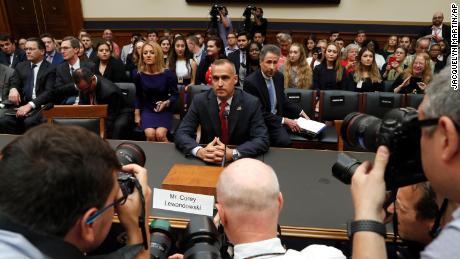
<point>391,60</point>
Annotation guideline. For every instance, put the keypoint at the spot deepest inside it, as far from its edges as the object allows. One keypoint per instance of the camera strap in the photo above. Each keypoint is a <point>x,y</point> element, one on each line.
<point>436,229</point>
<point>142,214</point>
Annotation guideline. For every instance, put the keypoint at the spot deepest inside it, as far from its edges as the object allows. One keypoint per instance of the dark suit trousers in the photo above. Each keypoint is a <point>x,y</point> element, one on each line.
<point>12,125</point>
<point>279,136</point>
<point>121,127</point>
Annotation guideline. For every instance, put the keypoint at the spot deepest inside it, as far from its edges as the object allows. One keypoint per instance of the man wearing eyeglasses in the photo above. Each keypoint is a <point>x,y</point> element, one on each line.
<point>59,193</point>
<point>30,88</point>
<point>439,116</point>
<point>228,116</point>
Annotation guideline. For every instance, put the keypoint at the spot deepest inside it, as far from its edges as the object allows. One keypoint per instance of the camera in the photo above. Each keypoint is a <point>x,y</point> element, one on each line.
<point>399,130</point>
<point>215,9</point>
<point>128,153</point>
<point>248,11</point>
<point>161,238</point>
<point>201,239</point>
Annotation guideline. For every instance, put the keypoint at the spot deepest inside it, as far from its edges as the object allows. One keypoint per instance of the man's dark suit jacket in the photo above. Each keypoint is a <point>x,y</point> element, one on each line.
<point>245,123</point>
<point>44,84</point>
<point>57,58</point>
<point>235,58</point>
<point>19,56</point>
<point>107,93</point>
<point>5,79</point>
<point>429,30</point>
<point>255,84</point>
<point>64,79</point>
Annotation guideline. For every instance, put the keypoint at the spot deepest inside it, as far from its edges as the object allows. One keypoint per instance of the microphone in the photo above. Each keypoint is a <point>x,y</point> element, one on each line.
<point>160,238</point>
<point>224,159</point>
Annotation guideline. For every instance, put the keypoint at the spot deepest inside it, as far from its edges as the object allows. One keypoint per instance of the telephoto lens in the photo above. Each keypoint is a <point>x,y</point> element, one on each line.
<point>161,239</point>
<point>128,153</point>
<point>201,239</point>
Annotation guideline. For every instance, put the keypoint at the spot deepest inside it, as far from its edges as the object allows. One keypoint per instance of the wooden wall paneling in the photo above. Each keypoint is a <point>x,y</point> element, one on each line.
<point>62,18</point>
<point>4,23</point>
<point>22,17</point>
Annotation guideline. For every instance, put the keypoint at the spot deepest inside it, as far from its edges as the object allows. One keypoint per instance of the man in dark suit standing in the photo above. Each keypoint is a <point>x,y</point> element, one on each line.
<point>239,57</point>
<point>437,31</point>
<point>52,55</point>
<point>69,49</point>
<point>31,87</point>
<point>94,90</point>
<point>267,84</point>
<point>227,116</point>
<point>9,54</point>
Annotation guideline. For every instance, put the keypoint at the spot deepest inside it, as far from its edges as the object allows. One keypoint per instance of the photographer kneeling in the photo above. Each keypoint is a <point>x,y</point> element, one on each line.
<point>439,119</point>
<point>58,193</point>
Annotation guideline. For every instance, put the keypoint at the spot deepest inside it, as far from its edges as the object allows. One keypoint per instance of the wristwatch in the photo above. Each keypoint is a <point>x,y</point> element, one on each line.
<point>366,225</point>
<point>235,155</point>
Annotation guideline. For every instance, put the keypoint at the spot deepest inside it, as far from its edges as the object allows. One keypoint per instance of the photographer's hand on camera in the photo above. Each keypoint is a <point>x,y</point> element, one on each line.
<point>129,212</point>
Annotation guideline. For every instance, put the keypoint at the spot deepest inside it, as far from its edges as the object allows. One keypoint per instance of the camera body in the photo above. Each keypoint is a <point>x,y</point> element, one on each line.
<point>248,11</point>
<point>215,9</point>
<point>399,130</point>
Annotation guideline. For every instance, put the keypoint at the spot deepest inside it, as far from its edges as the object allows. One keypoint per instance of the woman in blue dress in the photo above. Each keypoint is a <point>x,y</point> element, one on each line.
<point>156,91</point>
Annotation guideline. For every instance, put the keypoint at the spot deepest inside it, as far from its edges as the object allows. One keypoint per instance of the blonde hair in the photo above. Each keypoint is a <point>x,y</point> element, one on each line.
<point>426,74</point>
<point>304,71</point>
<point>158,66</point>
<point>374,73</point>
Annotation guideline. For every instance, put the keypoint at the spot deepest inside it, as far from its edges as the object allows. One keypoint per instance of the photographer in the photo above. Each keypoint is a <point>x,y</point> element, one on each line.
<point>439,116</point>
<point>59,190</point>
<point>259,23</point>
<point>225,24</point>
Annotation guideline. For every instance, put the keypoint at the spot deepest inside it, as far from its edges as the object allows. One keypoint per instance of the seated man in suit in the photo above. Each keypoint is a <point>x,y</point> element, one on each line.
<point>52,55</point>
<point>69,50</point>
<point>95,89</point>
<point>9,54</point>
<point>227,116</point>
<point>267,84</point>
<point>5,74</point>
<point>31,87</point>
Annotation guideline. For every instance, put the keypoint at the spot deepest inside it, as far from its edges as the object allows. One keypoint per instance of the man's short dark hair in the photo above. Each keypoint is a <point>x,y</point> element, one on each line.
<point>52,175</point>
<point>193,39</point>
<point>243,33</point>
<point>46,35</point>
<point>7,37</point>
<point>82,73</point>
<point>74,42</point>
<point>152,31</point>
<point>269,48</point>
<point>426,207</point>
<point>40,44</point>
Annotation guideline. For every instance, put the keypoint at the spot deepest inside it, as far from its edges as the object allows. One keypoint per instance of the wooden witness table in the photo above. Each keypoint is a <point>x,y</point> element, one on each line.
<point>316,205</point>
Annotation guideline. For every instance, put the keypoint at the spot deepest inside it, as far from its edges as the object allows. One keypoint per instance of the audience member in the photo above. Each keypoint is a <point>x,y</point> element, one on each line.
<point>31,87</point>
<point>440,154</point>
<point>88,45</point>
<point>214,51</point>
<point>341,44</point>
<point>231,45</point>
<point>405,42</point>
<point>435,55</point>
<point>390,47</point>
<point>193,46</point>
<point>351,52</point>
<point>247,192</point>
<point>132,60</point>
<point>333,36</point>
<point>310,44</point>
<point>285,42</point>
<point>267,84</point>
<point>374,46</point>
<point>128,48</point>
<point>259,37</point>
<point>22,43</point>
<point>165,45</point>
<point>224,25</point>
<point>437,31</point>
<point>81,53</point>
<point>240,57</point>
<point>152,36</point>
<point>9,54</point>
<point>108,36</point>
<point>71,177</point>
<point>228,116</point>
<point>253,63</point>
<point>156,91</point>
<point>182,64</point>
<point>329,75</point>
<point>416,77</point>
<point>366,76</point>
<point>94,89</point>
<point>360,38</point>
<point>107,66</point>
<point>69,50</point>
<point>297,73</point>
<point>421,46</point>
<point>395,66</point>
<point>52,55</point>
<point>6,74</point>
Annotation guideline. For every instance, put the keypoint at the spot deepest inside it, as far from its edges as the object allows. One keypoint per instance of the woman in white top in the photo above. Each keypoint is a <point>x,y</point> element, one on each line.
<point>182,63</point>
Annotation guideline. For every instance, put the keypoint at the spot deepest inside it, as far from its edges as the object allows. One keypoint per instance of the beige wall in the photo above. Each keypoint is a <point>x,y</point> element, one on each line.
<point>387,11</point>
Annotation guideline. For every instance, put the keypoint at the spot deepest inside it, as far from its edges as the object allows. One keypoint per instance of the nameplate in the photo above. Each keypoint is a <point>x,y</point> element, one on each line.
<point>386,102</point>
<point>337,100</point>
<point>192,203</point>
<point>294,97</point>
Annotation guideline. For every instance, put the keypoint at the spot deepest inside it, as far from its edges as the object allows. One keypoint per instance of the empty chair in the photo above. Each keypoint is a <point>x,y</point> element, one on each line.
<point>305,98</point>
<point>379,103</point>
<point>194,90</point>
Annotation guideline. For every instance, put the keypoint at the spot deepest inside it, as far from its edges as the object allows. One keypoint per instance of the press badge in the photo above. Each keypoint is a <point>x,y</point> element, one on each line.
<point>360,84</point>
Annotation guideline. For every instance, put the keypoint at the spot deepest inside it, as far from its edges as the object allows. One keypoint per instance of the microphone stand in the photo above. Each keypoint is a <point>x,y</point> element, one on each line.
<point>224,159</point>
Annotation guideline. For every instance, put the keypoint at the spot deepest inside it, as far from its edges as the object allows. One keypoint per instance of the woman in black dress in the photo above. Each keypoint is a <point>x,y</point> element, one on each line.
<point>366,77</point>
<point>107,66</point>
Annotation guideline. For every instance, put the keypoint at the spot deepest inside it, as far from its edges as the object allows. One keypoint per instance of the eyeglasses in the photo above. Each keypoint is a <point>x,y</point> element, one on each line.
<point>119,201</point>
<point>433,122</point>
